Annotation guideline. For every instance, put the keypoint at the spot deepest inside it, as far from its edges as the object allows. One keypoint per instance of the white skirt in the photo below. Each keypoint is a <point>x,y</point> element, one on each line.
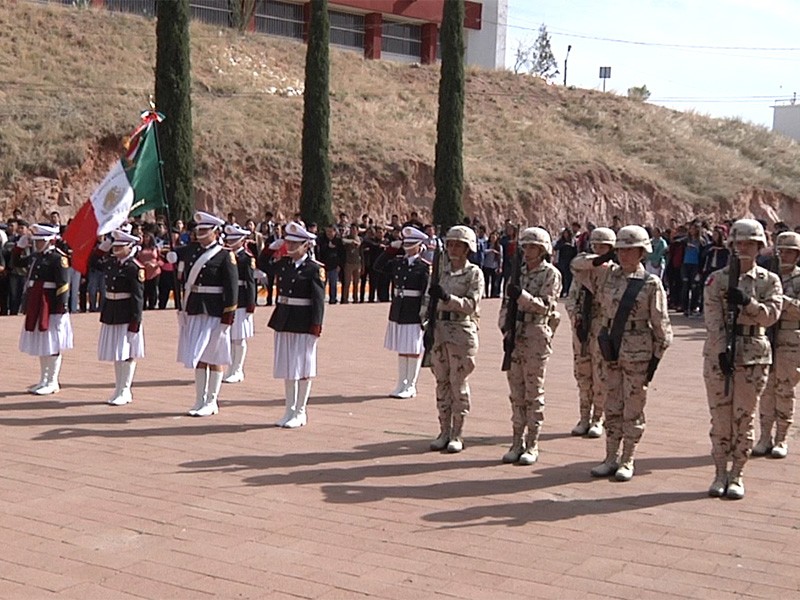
<point>242,327</point>
<point>403,338</point>
<point>202,339</point>
<point>295,355</point>
<point>115,345</point>
<point>58,337</point>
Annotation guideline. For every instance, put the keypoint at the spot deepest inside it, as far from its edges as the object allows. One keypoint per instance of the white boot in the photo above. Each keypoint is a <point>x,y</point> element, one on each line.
<point>211,406</point>
<point>235,373</point>
<point>290,391</point>
<point>200,387</point>
<point>52,369</point>
<point>115,397</point>
<point>303,392</point>
<point>126,369</point>
<point>43,374</point>
<point>402,383</point>
<point>412,373</point>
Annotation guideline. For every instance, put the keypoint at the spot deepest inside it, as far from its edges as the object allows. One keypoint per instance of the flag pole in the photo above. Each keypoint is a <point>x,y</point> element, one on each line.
<point>176,291</point>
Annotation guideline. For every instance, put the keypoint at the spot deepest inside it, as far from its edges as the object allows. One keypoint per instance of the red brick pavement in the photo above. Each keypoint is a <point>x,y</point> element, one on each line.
<point>143,502</point>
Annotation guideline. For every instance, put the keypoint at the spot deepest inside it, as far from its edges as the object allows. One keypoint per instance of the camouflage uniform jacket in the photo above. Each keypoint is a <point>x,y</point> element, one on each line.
<point>764,309</point>
<point>541,288</point>
<point>648,331</point>
<point>789,324</point>
<point>457,319</point>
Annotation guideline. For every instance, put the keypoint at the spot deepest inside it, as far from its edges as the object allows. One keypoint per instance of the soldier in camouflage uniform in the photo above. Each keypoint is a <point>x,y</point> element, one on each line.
<point>646,336</point>
<point>588,364</point>
<point>458,293</point>
<point>759,299</point>
<point>777,402</point>
<point>536,296</point>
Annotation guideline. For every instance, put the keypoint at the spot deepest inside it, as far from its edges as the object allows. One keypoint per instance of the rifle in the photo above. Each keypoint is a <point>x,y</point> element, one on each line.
<point>772,330</point>
<point>428,336</point>
<point>512,308</point>
<point>727,359</point>
<point>584,321</point>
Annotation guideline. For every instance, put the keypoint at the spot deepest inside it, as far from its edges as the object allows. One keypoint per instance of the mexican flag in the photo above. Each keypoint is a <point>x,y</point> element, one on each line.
<point>131,187</point>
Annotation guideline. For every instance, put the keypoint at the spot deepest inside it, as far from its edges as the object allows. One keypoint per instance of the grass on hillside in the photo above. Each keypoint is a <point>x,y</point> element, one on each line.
<point>69,78</point>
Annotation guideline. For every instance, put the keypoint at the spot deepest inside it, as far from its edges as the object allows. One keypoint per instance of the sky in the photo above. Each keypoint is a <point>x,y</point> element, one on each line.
<point>748,61</point>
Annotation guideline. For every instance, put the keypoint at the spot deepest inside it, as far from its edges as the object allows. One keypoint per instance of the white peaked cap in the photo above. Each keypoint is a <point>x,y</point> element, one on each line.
<point>293,232</point>
<point>412,235</point>
<point>234,232</point>
<point>43,232</point>
<point>204,219</point>
<point>123,238</point>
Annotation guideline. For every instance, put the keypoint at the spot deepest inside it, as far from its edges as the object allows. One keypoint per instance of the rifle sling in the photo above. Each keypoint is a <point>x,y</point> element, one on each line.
<point>624,310</point>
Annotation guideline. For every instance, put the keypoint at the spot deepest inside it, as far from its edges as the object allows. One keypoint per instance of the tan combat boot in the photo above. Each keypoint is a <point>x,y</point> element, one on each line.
<point>720,484</point>
<point>531,454</point>
<point>515,451</point>
<point>582,428</point>
<point>764,443</point>
<point>596,429</point>
<point>611,462</point>
<point>440,443</point>
<point>625,470</point>
<point>735,484</point>
<point>456,443</point>
<point>780,449</point>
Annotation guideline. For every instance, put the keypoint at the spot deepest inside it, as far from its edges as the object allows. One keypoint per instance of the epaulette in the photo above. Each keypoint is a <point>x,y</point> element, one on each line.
<point>426,261</point>
<point>248,252</point>
<point>315,262</point>
<point>60,251</point>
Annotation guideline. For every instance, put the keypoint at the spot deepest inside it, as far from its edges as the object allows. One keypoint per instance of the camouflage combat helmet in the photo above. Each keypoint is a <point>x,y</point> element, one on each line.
<point>462,233</point>
<point>538,237</point>
<point>633,236</point>
<point>745,230</point>
<point>788,240</point>
<point>602,235</point>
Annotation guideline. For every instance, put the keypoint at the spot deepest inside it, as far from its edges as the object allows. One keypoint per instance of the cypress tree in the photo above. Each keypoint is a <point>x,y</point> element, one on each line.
<point>173,99</point>
<point>449,167</point>
<point>315,194</point>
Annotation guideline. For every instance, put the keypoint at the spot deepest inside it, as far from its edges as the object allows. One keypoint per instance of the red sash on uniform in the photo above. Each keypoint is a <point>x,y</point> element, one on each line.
<point>37,308</point>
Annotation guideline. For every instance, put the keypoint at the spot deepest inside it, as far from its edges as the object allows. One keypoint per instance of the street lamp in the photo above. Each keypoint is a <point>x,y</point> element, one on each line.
<point>569,47</point>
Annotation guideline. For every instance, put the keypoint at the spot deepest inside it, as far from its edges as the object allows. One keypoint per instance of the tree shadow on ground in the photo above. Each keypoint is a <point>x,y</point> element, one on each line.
<point>549,510</point>
<point>197,430</point>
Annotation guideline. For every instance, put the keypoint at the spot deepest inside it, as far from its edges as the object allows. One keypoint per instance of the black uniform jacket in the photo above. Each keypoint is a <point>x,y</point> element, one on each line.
<point>215,292</point>
<point>124,294</point>
<point>409,283</point>
<point>246,264</point>
<point>47,290</point>
<point>303,283</point>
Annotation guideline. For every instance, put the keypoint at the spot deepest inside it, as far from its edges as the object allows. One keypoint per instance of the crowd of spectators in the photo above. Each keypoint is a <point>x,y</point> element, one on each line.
<point>684,255</point>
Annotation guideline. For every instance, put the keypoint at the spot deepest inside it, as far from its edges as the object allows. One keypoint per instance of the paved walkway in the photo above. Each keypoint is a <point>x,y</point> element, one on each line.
<point>144,502</point>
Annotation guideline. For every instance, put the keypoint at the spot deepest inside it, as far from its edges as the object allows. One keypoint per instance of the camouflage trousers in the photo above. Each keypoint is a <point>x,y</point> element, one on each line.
<point>590,377</point>
<point>626,394</point>
<point>451,366</point>
<point>777,401</point>
<point>732,432</point>
<point>526,384</point>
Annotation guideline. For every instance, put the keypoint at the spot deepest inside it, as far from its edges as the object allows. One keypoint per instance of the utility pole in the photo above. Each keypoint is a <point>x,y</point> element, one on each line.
<point>569,47</point>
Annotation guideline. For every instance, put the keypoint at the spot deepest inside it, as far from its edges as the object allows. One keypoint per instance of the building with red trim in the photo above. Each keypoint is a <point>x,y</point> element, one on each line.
<point>394,29</point>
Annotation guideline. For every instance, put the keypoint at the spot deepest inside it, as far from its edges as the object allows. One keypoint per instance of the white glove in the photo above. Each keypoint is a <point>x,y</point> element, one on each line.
<point>24,242</point>
<point>105,245</point>
<point>172,257</point>
<point>223,329</point>
<point>396,243</point>
<point>131,336</point>
<point>259,275</point>
<point>276,244</point>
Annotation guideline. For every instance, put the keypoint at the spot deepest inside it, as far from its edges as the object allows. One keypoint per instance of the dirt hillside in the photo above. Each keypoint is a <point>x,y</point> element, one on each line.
<point>73,81</point>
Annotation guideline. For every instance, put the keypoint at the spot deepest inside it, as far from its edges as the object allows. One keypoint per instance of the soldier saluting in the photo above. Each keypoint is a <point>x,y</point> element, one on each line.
<point>121,337</point>
<point>210,290</point>
<point>297,319</point>
<point>410,273</point>
<point>47,329</point>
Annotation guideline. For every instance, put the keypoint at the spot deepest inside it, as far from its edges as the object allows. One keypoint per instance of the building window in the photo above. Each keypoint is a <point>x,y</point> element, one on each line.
<point>137,7</point>
<point>213,12</point>
<point>346,29</point>
<point>279,18</point>
<point>402,38</point>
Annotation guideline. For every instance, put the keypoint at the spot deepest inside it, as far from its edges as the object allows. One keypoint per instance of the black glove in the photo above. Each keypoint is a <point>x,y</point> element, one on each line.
<point>603,258</point>
<point>737,296</point>
<point>651,368</point>
<point>513,291</point>
<point>437,293</point>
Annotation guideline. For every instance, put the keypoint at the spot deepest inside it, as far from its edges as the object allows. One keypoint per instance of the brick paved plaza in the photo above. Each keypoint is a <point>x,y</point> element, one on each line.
<point>140,501</point>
